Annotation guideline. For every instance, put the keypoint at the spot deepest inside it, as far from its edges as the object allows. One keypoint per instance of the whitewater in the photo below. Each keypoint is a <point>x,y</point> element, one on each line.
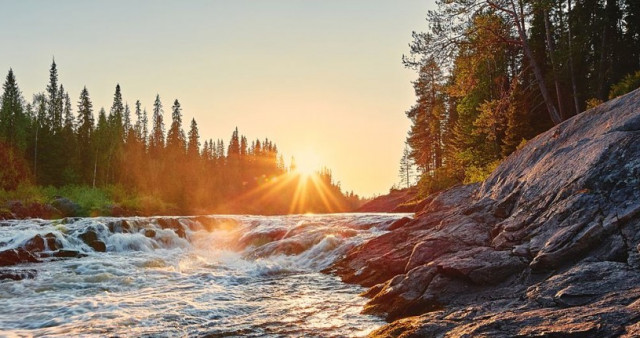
<point>177,276</point>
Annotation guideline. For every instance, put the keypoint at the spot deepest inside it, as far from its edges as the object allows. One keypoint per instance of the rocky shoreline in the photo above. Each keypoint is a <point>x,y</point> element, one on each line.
<point>59,207</point>
<point>548,245</point>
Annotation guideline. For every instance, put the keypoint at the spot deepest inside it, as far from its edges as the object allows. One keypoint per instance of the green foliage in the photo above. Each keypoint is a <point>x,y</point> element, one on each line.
<point>89,199</point>
<point>628,84</point>
<point>474,174</point>
<point>507,72</point>
<point>25,192</point>
<point>593,102</point>
<point>440,180</point>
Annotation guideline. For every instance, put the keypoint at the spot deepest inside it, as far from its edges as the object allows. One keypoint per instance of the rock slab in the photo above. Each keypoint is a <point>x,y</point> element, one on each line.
<point>548,245</point>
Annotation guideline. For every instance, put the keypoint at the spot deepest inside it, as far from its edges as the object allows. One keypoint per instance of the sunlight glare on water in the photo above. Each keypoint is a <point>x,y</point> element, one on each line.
<point>260,276</point>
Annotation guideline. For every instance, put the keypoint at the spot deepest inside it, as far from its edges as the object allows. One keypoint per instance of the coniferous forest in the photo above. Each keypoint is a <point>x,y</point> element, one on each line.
<point>494,74</point>
<point>52,145</point>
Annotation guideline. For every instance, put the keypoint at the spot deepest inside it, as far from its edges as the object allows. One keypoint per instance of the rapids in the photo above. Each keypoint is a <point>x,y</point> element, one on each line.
<point>205,275</point>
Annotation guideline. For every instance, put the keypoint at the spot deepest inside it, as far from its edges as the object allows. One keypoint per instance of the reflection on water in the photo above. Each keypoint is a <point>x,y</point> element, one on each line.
<point>226,275</point>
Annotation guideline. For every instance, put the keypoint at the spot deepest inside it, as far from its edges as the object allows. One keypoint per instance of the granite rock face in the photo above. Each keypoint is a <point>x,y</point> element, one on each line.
<point>548,245</point>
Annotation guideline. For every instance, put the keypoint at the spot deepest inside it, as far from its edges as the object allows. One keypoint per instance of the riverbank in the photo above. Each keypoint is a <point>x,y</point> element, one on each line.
<point>30,201</point>
<point>277,196</point>
<point>548,245</point>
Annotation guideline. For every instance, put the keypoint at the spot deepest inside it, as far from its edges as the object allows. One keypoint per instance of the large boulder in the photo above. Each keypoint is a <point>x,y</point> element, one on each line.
<point>90,237</point>
<point>17,256</point>
<point>67,207</point>
<point>548,245</point>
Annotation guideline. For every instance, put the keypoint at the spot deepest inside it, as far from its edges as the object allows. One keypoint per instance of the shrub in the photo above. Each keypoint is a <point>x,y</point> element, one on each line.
<point>628,84</point>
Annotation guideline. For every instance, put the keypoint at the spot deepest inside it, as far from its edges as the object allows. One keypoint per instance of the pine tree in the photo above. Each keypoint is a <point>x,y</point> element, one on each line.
<point>234,145</point>
<point>145,129</point>
<point>69,122</point>
<point>156,139</point>
<point>116,116</point>
<point>175,136</point>
<point>103,142</point>
<point>54,113</point>
<point>127,121</point>
<point>243,146</point>
<point>138,126</point>
<point>85,137</point>
<point>13,121</point>
<point>193,148</point>
<point>406,167</point>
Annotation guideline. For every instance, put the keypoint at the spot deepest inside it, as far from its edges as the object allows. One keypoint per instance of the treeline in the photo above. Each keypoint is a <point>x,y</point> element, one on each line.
<point>495,73</point>
<point>43,142</point>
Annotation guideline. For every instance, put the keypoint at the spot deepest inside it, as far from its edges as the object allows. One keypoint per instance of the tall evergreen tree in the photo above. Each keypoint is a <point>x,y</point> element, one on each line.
<point>193,148</point>
<point>85,132</point>
<point>126,120</point>
<point>116,115</point>
<point>175,137</point>
<point>406,167</point>
<point>156,139</point>
<point>138,125</point>
<point>13,121</point>
<point>145,129</point>
<point>54,114</point>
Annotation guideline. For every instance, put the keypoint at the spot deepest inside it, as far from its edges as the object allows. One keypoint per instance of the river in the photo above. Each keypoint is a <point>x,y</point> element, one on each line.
<point>176,276</point>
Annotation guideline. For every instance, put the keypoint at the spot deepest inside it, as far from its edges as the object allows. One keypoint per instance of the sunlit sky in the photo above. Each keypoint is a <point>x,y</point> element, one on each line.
<point>322,77</point>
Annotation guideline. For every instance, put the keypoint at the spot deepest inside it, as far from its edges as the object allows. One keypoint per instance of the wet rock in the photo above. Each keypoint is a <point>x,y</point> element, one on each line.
<point>90,237</point>
<point>119,226</point>
<point>150,233</point>
<point>17,274</point>
<point>399,223</point>
<point>546,246</point>
<point>41,243</point>
<point>64,254</point>
<point>16,256</point>
<point>173,224</point>
<point>256,239</point>
<point>401,296</point>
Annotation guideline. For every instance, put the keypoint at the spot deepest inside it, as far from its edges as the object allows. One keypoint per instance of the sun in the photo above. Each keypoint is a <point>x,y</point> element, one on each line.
<point>307,163</point>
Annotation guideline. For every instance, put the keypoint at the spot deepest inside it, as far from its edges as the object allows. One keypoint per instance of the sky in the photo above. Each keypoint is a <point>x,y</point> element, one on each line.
<point>315,77</point>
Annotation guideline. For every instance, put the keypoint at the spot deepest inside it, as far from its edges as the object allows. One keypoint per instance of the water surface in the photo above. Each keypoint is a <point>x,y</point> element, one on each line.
<point>217,275</point>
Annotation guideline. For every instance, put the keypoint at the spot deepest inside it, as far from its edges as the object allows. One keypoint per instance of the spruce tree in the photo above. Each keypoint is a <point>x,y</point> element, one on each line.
<point>103,141</point>
<point>156,139</point>
<point>126,121</point>
<point>13,121</point>
<point>175,137</point>
<point>54,115</point>
<point>145,129</point>
<point>234,144</point>
<point>138,126</point>
<point>116,115</point>
<point>85,132</point>
<point>193,148</point>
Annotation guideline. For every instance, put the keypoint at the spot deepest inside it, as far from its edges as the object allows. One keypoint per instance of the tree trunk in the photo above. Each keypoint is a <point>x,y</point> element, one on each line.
<point>95,170</point>
<point>552,51</point>
<point>573,74</point>
<point>537,72</point>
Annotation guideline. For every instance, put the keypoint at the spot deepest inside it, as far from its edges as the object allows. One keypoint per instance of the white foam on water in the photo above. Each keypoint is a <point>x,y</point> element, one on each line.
<point>221,275</point>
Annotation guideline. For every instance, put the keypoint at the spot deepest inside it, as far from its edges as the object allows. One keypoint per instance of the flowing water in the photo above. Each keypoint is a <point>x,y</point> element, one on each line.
<point>214,275</point>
